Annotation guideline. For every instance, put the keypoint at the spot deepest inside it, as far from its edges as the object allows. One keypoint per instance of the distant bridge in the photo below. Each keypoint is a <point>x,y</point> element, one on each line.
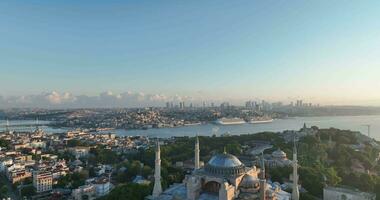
<point>23,125</point>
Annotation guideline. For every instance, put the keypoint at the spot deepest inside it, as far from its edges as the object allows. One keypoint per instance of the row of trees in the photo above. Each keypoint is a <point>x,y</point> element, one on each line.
<point>327,159</point>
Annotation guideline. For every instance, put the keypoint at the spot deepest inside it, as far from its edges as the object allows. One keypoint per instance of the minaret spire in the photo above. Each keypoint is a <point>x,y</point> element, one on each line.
<point>196,152</point>
<point>295,192</point>
<point>157,189</point>
<point>263,182</point>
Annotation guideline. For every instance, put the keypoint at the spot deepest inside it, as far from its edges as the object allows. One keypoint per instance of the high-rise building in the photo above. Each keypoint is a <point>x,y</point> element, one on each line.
<point>224,105</point>
<point>248,104</point>
<point>299,103</point>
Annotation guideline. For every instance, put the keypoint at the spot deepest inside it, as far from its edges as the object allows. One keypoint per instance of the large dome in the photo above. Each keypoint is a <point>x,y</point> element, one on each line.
<point>225,164</point>
<point>224,160</point>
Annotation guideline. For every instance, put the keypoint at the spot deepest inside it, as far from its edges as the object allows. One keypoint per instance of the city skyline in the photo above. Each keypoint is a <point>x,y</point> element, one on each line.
<point>322,52</point>
<point>53,100</point>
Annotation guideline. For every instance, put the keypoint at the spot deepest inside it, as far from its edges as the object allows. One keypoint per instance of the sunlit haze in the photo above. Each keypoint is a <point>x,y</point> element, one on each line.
<point>144,52</point>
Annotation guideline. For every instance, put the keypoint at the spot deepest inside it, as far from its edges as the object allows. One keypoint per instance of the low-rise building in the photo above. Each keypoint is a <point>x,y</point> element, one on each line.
<point>42,181</point>
<point>17,172</point>
<point>340,193</point>
<point>85,190</point>
<point>80,152</point>
<point>4,162</point>
<point>102,185</point>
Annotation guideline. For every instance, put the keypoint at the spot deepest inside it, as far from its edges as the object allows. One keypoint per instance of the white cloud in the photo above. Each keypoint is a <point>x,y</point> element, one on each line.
<point>105,100</point>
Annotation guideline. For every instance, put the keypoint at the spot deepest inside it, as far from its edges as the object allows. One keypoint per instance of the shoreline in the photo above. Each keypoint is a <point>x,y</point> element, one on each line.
<point>279,124</point>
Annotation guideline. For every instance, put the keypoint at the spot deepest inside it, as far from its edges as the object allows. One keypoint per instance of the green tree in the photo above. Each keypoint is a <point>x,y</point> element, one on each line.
<point>3,192</point>
<point>312,180</point>
<point>307,196</point>
<point>332,176</point>
<point>104,156</point>
<point>146,171</point>
<point>234,148</point>
<point>377,189</point>
<point>28,191</point>
<point>4,143</point>
<point>278,174</point>
<point>129,191</point>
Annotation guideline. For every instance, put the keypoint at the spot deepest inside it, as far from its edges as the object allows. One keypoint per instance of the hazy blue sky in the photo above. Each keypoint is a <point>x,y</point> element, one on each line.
<point>322,51</point>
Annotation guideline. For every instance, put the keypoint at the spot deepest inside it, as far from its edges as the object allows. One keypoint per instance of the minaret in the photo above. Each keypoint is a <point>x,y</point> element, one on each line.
<point>196,152</point>
<point>157,189</point>
<point>263,182</point>
<point>295,192</point>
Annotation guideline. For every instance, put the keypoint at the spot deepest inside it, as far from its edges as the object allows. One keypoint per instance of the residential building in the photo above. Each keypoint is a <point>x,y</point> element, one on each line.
<point>42,181</point>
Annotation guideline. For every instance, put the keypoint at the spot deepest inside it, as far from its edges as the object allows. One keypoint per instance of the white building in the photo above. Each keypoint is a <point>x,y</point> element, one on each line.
<point>4,162</point>
<point>38,144</point>
<point>336,193</point>
<point>102,185</point>
<point>80,152</point>
<point>16,172</point>
<point>85,190</point>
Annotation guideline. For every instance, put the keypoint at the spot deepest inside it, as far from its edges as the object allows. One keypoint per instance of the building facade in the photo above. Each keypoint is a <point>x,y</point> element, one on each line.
<point>338,193</point>
<point>42,181</point>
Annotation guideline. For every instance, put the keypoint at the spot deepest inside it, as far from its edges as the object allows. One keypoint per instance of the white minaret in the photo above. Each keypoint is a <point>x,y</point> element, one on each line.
<point>157,189</point>
<point>295,192</point>
<point>263,182</point>
<point>196,152</point>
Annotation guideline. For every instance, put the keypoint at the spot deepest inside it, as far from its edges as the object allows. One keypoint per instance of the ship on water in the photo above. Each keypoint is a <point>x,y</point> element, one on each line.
<point>260,120</point>
<point>230,121</point>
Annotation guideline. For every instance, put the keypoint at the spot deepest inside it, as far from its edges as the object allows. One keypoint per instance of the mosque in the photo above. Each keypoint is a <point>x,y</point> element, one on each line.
<point>224,177</point>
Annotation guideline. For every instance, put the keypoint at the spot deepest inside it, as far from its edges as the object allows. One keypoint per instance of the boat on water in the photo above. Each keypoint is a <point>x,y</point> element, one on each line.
<point>260,120</point>
<point>193,124</point>
<point>230,121</point>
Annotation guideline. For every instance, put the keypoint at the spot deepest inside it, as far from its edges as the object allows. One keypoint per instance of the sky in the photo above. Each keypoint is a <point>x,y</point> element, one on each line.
<point>324,51</point>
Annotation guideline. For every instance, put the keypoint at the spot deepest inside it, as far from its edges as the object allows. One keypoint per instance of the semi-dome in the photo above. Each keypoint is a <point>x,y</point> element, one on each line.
<point>278,154</point>
<point>225,164</point>
<point>249,181</point>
